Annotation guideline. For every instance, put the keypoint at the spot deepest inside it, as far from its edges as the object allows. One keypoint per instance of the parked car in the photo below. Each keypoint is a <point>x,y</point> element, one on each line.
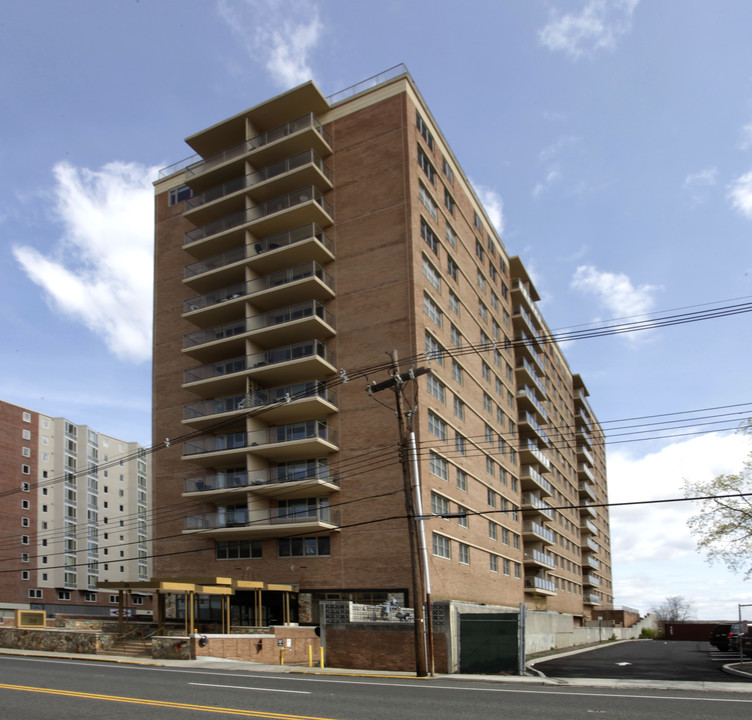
<point>725,636</point>
<point>746,641</point>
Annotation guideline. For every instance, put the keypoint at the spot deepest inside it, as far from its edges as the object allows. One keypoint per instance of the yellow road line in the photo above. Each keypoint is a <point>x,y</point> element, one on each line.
<point>160,703</point>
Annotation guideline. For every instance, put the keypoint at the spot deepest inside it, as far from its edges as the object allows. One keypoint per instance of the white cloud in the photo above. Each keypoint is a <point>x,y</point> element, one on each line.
<point>746,141</point>
<point>614,291</point>
<point>740,194</point>
<point>596,27</point>
<point>493,205</point>
<point>552,175</point>
<point>696,183</point>
<point>101,271</point>
<point>654,553</point>
<point>281,35</point>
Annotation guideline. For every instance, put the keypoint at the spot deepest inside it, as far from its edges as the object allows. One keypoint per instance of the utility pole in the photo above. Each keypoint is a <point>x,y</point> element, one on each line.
<point>418,586</point>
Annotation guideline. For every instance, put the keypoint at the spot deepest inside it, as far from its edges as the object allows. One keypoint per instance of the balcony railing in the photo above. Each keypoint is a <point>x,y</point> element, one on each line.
<point>592,598</point>
<point>530,473</point>
<point>308,157</point>
<point>310,429</point>
<point>591,561</point>
<point>289,237</point>
<point>528,394</point>
<point>302,123</point>
<point>537,529</point>
<point>287,353</point>
<point>536,583</point>
<point>592,545</point>
<point>526,418</point>
<point>270,207</point>
<point>260,398</point>
<point>593,580</point>
<point>517,286</point>
<point>243,518</point>
<point>535,502</point>
<point>532,448</point>
<point>587,489</point>
<point>586,471</point>
<point>581,450</point>
<point>524,364</point>
<point>539,557</point>
<point>291,313</point>
<point>588,526</point>
<point>259,478</point>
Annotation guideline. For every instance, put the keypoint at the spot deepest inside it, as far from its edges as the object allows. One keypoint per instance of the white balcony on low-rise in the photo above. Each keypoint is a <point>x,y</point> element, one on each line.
<point>535,531</point>
<point>591,599</point>
<point>534,556</point>
<point>536,584</point>
<point>593,580</point>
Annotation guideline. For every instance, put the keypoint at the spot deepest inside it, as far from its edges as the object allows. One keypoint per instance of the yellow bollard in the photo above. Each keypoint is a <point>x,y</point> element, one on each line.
<point>321,657</point>
<point>310,656</point>
<point>281,657</point>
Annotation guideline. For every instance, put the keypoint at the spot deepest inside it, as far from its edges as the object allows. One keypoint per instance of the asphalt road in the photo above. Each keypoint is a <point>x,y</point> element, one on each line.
<point>646,660</point>
<point>50,689</point>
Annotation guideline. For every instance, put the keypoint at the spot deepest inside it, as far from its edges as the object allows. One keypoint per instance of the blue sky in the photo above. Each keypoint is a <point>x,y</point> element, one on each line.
<point>610,139</point>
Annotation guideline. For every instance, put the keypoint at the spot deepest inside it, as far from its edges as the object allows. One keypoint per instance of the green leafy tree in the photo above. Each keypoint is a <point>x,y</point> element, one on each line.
<point>723,527</point>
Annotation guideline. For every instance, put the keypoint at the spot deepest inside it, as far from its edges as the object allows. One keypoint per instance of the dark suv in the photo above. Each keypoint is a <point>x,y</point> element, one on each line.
<point>726,635</point>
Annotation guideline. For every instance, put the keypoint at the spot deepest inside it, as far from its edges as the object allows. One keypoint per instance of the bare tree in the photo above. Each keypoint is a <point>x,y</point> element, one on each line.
<point>674,609</point>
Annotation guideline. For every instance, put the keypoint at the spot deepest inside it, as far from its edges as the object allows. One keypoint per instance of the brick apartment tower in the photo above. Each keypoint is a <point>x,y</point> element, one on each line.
<point>307,238</point>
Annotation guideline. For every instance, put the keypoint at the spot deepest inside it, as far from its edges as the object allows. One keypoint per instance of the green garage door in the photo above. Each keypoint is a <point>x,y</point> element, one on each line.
<point>488,643</point>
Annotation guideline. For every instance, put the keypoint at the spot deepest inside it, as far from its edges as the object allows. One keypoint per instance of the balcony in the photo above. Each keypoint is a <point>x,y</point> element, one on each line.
<point>528,424</point>
<point>307,478</point>
<point>301,207</point>
<point>587,508</point>
<point>306,319</point>
<point>270,522</point>
<point>583,436</point>
<point>532,531</point>
<point>285,287</point>
<point>290,363</point>
<point>585,470</point>
<point>587,527</point>
<point>531,453</point>
<point>536,557</point>
<point>305,168</point>
<point>521,291</point>
<point>527,371</point>
<point>587,490</point>
<point>582,419</point>
<point>303,133</point>
<point>591,561</point>
<point>526,345</point>
<point>584,453</point>
<point>523,322</point>
<point>532,479</point>
<point>305,243</point>
<point>311,438</point>
<point>526,397</point>
<point>590,544</point>
<point>533,504</point>
<point>591,580</point>
<point>535,584</point>
<point>299,401</point>
<point>591,599</point>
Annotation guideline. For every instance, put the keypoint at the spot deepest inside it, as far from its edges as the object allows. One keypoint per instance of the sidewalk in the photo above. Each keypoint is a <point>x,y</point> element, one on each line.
<point>220,664</point>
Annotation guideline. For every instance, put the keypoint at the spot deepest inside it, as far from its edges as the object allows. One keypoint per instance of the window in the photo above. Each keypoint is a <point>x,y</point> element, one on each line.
<point>491,498</point>
<point>477,221</point>
<point>505,536</point>
<point>429,236</point>
<point>494,563</point>
<point>423,130</point>
<point>435,387</point>
<point>90,597</point>
<point>433,311</point>
<point>434,351</point>
<point>482,311</point>
<point>479,251</point>
<point>462,520</point>
<point>454,303</point>
<point>490,467</point>
<point>428,202</point>
<point>179,194</point>
<point>63,595</point>
<point>35,594</point>
<point>25,505</point>
<point>463,552</point>
<point>25,487</point>
<point>113,598</point>
<point>481,281</point>
<point>459,408</point>
<point>304,546</point>
<point>447,170</point>
<point>517,572</point>
<point>455,336</point>
<point>26,452</point>
<point>24,539</point>
<point>451,236</point>
<point>426,166</point>
<point>432,274</point>
<point>26,434</point>
<point>26,470</point>
<point>449,201</point>
<point>460,444</point>
<point>237,549</point>
<point>441,546</point>
<point>436,426</point>
<point>486,372</point>
<point>461,480</point>
<point>439,504</point>
<point>25,522</point>
<point>457,372</point>
<point>487,402</point>
<point>493,530</point>
<point>452,269</point>
<point>438,466</point>
<point>137,600</point>
<point>507,566</point>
